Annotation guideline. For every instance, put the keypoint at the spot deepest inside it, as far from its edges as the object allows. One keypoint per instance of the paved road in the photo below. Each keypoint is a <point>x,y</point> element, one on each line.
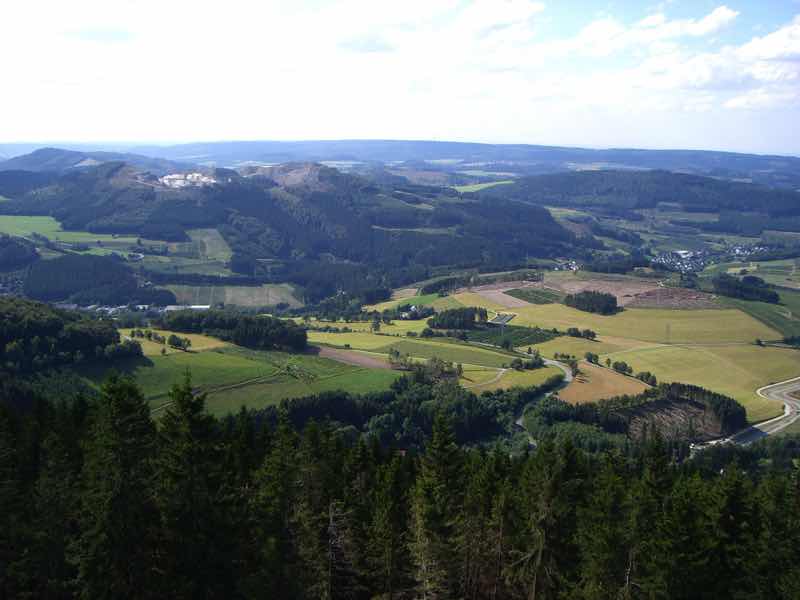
<point>779,392</point>
<point>567,379</point>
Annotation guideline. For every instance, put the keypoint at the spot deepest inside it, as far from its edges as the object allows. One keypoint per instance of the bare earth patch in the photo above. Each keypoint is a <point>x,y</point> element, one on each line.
<point>404,293</point>
<point>677,298</point>
<point>351,357</point>
<point>626,290</point>
<point>496,293</point>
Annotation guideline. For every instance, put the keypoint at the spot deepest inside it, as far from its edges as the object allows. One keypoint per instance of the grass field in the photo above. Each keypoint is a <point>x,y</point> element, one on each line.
<point>98,243</point>
<point>395,328</point>
<point>457,353</point>
<point>236,295</point>
<point>474,299</point>
<point>433,300</point>
<point>477,187</point>
<point>358,340</point>
<point>784,318</point>
<point>596,383</point>
<point>210,244</point>
<point>710,348</point>
<point>734,370</point>
<point>577,347</point>
<point>512,378</point>
<point>650,324</point>
<point>235,377</point>
<point>199,342</point>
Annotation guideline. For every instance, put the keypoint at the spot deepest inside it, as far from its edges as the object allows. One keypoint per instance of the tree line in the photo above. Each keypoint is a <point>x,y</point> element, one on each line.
<point>260,332</point>
<point>593,301</point>
<point>35,337</point>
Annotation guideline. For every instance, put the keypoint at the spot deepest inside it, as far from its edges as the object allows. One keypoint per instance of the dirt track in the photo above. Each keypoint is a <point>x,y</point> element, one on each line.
<point>351,357</point>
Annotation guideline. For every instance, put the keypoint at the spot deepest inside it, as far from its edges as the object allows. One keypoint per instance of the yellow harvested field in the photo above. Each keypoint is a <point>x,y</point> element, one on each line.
<point>596,383</point>
<point>648,324</point>
<point>199,342</point>
<point>473,299</point>
<point>734,370</point>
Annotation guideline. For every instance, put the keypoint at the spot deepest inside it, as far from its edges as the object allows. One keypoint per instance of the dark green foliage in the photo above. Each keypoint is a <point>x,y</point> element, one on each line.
<point>15,183</point>
<point>458,318</point>
<point>87,279</point>
<point>99,502</point>
<point>114,550</point>
<point>746,288</point>
<point>594,302</point>
<point>16,253</point>
<point>34,336</point>
<point>646,189</point>
<point>261,332</point>
<point>514,335</point>
<point>620,366</point>
<point>537,296</point>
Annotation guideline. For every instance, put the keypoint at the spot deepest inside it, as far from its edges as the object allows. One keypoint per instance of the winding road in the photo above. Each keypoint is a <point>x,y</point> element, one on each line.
<point>779,392</point>
<point>567,380</point>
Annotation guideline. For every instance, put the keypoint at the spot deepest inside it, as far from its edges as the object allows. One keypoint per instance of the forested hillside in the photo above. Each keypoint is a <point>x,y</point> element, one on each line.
<point>646,189</point>
<point>89,279</point>
<point>100,501</point>
<point>35,337</point>
<point>306,223</point>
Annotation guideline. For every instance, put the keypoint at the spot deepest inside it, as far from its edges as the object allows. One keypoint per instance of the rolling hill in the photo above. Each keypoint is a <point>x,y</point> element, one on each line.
<point>59,160</point>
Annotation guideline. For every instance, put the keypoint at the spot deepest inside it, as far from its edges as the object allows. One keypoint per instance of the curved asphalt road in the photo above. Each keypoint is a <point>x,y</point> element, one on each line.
<point>779,392</point>
<point>567,379</point>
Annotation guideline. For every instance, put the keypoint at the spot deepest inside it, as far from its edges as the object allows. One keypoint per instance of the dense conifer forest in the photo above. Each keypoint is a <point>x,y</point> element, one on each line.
<point>100,500</point>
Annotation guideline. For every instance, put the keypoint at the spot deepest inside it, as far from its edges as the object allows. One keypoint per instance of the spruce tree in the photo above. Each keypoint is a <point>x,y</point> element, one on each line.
<point>114,552</point>
<point>196,552</point>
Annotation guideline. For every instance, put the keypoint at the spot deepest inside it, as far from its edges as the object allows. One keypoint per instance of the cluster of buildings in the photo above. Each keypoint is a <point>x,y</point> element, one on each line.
<point>111,311</point>
<point>692,261</point>
<point>182,180</point>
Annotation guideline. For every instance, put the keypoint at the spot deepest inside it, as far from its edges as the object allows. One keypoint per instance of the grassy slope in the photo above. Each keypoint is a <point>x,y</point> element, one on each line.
<point>512,378</point>
<point>710,348</point>
<point>199,342</point>
<point>477,187</point>
<point>235,377</point>
<point>736,371</point>
<point>24,226</point>
<point>211,243</point>
<point>783,318</point>
<point>650,324</point>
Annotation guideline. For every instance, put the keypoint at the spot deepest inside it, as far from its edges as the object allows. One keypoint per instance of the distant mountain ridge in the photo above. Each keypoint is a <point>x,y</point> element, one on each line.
<point>454,158</point>
<point>59,160</point>
<point>772,170</point>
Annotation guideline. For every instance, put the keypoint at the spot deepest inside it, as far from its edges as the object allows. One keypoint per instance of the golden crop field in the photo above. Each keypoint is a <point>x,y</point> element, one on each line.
<point>199,342</point>
<point>596,383</point>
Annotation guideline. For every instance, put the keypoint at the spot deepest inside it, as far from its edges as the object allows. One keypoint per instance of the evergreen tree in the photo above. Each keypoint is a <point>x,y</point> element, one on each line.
<point>114,551</point>
<point>386,554</point>
<point>435,503</point>
<point>193,525</point>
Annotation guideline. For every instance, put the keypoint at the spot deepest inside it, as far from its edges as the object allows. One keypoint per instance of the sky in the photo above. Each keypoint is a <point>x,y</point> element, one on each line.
<point>673,74</point>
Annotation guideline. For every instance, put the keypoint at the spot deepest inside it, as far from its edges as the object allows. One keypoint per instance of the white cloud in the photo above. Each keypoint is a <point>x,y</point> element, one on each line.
<point>496,70</point>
